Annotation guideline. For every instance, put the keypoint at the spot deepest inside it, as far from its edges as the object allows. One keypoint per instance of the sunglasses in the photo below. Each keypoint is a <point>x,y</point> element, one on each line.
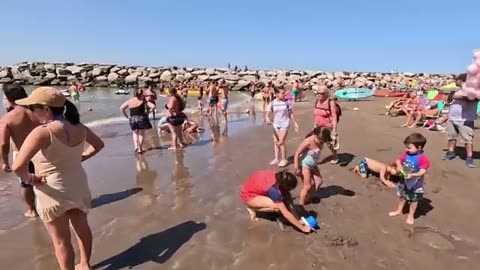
<point>35,106</point>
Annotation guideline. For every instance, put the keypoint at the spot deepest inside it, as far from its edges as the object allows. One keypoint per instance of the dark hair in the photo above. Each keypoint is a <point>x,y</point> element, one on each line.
<point>462,77</point>
<point>286,182</point>
<point>416,139</point>
<point>14,93</point>
<point>138,92</point>
<point>69,111</point>
<point>325,134</point>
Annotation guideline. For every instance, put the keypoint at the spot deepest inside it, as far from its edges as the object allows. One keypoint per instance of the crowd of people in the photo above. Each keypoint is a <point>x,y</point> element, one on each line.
<point>48,142</point>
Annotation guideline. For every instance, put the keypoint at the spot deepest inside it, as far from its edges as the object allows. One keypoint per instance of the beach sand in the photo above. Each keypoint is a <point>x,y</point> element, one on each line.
<point>182,210</point>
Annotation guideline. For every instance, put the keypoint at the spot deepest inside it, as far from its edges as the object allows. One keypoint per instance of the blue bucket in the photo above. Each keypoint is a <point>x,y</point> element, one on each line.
<point>311,221</point>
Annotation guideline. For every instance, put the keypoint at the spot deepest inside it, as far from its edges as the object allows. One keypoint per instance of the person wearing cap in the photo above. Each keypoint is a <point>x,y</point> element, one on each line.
<point>57,149</point>
<point>15,126</point>
<point>327,113</point>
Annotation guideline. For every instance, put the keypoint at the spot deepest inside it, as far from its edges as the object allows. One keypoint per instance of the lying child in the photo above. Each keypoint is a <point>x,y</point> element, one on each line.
<point>366,166</point>
<point>269,191</point>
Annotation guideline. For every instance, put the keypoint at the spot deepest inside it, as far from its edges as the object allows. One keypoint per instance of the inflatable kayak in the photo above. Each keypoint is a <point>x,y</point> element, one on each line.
<point>388,94</point>
<point>122,92</point>
<point>354,93</point>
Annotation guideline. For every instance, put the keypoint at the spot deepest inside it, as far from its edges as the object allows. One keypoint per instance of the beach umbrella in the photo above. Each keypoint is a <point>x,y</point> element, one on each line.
<point>449,87</point>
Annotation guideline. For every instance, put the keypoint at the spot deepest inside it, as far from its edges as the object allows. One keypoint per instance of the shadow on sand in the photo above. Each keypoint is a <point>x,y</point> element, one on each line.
<point>114,197</point>
<point>344,159</point>
<point>330,191</point>
<point>460,150</point>
<point>423,208</point>
<point>157,247</point>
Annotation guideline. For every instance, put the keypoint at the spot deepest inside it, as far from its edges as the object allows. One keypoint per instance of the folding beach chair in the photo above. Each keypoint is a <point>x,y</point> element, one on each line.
<point>427,119</point>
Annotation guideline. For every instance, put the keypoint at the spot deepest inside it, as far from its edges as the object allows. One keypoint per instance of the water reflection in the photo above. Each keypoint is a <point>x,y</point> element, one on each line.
<point>180,177</point>
<point>146,180</point>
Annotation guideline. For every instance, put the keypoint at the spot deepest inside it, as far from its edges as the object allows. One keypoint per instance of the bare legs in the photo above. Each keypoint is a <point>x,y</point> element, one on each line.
<point>260,204</point>
<point>28,197</point>
<point>138,139</point>
<point>312,180</point>
<point>411,212</point>
<point>59,231</point>
<point>177,136</point>
<point>279,147</point>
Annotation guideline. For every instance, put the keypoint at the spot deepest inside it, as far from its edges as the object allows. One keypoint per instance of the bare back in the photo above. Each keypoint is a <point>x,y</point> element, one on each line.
<point>20,122</point>
<point>224,92</point>
<point>374,165</point>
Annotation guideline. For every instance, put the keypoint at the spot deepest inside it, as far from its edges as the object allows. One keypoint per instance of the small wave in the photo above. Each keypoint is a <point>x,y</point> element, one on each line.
<point>188,111</point>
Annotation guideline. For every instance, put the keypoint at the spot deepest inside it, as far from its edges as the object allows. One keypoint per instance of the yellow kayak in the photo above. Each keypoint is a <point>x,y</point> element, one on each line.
<point>448,87</point>
<point>191,93</point>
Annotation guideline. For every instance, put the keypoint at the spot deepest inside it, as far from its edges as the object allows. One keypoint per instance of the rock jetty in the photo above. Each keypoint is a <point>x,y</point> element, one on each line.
<point>102,75</point>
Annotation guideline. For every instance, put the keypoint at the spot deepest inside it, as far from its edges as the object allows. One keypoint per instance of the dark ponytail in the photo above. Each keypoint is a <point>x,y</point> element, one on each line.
<point>323,133</point>
<point>286,182</point>
<point>69,112</point>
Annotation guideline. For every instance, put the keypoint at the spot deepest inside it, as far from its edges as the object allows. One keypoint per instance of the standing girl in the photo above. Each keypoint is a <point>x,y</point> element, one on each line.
<point>308,156</point>
<point>282,115</point>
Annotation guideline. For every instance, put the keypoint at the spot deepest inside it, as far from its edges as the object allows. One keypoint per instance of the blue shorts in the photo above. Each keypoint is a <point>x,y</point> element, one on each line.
<point>224,103</point>
<point>363,167</point>
<point>408,194</point>
<point>309,162</point>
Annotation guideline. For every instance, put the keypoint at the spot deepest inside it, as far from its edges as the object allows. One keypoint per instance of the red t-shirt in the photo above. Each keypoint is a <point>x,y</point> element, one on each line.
<point>261,183</point>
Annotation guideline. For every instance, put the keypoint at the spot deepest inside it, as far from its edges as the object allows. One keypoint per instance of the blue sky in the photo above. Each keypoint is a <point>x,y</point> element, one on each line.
<point>371,35</point>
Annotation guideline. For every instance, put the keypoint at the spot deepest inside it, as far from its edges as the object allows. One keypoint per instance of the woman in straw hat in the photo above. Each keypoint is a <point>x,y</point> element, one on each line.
<point>57,150</point>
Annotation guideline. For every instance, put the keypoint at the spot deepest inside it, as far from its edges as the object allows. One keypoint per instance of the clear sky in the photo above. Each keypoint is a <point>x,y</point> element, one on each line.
<point>329,35</point>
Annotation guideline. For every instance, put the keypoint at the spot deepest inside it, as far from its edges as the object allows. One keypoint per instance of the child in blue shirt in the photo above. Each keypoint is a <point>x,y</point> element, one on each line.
<point>414,164</point>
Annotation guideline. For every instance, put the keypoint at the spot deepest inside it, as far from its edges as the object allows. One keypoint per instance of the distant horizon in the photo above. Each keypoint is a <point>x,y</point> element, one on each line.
<point>429,36</point>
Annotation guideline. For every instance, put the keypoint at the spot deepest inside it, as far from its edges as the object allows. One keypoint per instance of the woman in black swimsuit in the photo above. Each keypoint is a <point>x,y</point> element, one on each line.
<point>138,118</point>
<point>176,118</point>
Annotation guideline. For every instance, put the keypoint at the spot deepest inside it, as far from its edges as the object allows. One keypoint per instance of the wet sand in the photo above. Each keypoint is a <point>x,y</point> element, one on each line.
<point>182,210</point>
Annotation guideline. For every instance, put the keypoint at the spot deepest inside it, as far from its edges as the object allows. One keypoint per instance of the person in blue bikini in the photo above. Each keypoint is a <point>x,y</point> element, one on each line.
<point>307,157</point>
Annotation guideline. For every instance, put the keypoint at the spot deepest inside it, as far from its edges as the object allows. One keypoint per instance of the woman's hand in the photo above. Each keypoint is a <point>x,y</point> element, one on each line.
<point>298,172</point>
<point>306,229</point>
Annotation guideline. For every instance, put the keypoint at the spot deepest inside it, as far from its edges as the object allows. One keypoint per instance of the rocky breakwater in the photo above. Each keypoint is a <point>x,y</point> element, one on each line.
<point>58,74</point>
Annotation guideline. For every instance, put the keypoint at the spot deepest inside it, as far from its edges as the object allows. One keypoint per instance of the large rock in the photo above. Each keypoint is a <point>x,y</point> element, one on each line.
<point>62,71</point>
<point>75,69</point>
<point>49,67</point>
<point>115,69</point>
<point>131,79</point>
<point>50,76</point>
<point>199,72</point>
<point>179,78</point>
<point>100,79</point>
<point>241,85</point>
<point>97,72</point>
<point>112,77</point>
<point>188,76</point>
<point>5,73</point>
<point>144,79</point>
<point>154,75</point>
<point>123,72</point>
<point>231,77</point>
<point>6,80</point>
<point>203,77</point>
<point>166,76</point>
<point>249,78</point>
<point>210,71</point>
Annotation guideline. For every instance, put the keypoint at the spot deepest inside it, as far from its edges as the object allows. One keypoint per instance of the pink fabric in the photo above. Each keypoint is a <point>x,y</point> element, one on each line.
<point>323,116</point>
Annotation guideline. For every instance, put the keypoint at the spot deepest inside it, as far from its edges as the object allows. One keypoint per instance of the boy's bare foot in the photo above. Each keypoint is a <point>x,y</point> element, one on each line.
<point>410,220</point>
<point>274,162</point>
<point>283,163</point>
<point>396,213</point>
<point>31,214</point>
<point>253,214</point>
<point>404,125</point>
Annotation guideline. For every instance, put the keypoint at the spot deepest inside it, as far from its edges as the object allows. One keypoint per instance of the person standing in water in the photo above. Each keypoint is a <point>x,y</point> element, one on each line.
<point>223,93</point>
<point>253,90</point>
<point>266,96</point>
<point>282,115</point>
<point>151,96</point>
<point>74,92</point>
<point>176,118</point>
<point>138,118</point>
<point>15,125</point>
<point>212,98</point>
<point>57,149</point>
<point>296,90</point>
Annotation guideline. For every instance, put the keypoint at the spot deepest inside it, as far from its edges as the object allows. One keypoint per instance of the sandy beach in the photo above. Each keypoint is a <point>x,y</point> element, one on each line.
<point>182,210</point>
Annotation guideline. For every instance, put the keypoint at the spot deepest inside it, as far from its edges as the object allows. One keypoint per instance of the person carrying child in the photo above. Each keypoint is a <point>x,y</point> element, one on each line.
<point>308,156</point>
<point>413,164</point>
<point>366,166</point>
<point>269,191</point>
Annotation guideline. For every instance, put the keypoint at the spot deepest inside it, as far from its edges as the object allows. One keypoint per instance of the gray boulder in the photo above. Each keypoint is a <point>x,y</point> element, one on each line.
<point>115,69</point>
<point>5,73</point>
<point>231,77</point>
<point>131,79</point>
<point>71,78</point>
<point>75,69</point>
<point>250,78</point>
<point>240,85</point>
<point>154,75</point>
<point>112,77</point>
<point>166,76</point>
<point>50,76</point>
<point>199,72</point>
<point>145,79</point>
<point>203,77</point>
<point>6,80</point>
<point>97,72</point>
<point>188,76</point>
<point>210,71</point>
<point>62,72</point>
<point>123,72</point>
<point>49,67</point>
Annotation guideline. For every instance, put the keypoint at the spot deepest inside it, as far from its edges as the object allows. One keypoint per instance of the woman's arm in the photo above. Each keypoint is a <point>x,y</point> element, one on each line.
<point>171,101</point>
<point>150,105</point>
<point>291,218</point>
<point>38,139</point>
<point>333,111</point>
<point>124,108</point>
<point>95,144</point>
<point>383,178</point>
<point>5,145</point>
